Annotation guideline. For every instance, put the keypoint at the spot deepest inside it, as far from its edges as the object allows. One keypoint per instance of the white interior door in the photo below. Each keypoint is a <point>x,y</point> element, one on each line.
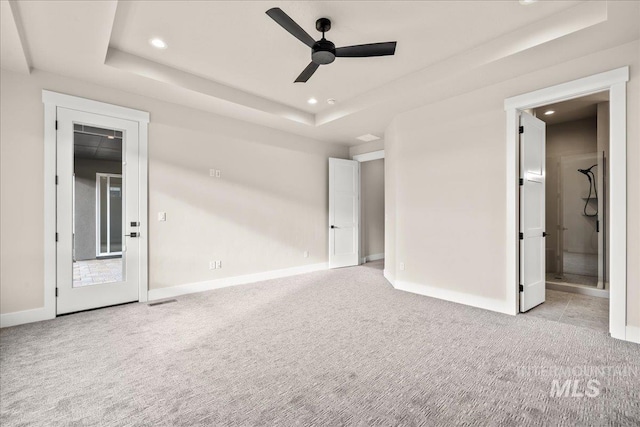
<point>344,212</point>
<point>532,212</point>
<point>89,144</point>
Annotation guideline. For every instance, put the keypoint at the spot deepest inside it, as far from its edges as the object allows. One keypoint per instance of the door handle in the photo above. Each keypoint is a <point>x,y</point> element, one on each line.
<point>333,226</point>
<point>545,234</point>
<point>133,234</point>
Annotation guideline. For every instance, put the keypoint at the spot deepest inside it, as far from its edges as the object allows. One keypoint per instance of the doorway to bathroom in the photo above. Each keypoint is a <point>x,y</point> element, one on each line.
<point>575,243</point>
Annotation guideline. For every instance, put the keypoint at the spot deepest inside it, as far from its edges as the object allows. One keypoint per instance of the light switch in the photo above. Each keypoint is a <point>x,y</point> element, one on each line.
<point>162,216</point>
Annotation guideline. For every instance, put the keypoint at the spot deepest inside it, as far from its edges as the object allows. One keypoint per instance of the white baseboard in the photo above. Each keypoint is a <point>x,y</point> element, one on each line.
<point>633,334</point>
<point>499,306</point>
<point>374,257</point>
<point>387,275</point>
<point>189,288</point>
<point>26,316</point>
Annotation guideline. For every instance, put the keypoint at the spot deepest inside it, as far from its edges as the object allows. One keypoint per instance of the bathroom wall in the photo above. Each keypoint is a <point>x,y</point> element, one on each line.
<point>570,146</point>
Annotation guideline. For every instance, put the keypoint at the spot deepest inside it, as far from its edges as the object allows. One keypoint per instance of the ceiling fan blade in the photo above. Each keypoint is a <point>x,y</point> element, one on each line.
<point>290,25</point>
<point>364,50</point>
<point>307,72</point>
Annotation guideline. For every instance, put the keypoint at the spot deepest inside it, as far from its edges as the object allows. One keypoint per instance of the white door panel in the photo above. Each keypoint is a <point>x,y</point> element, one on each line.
<point>532,212</point>
<point>344,212</point>
<point>91,281</point>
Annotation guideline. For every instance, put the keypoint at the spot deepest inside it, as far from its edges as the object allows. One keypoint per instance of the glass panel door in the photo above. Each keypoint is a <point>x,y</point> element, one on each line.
<point>97,213</point>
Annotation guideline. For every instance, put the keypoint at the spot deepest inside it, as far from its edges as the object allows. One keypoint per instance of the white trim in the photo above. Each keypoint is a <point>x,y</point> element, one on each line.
<point>53,100</point>
<point>617,174</point>
<point>374,257</point>
<point>96,107</point>
<point>497,305</point>
<point>26,316</point>
<point>366,157</point>
<point>569,90</point>
<point>49,210</point>
<point>143,209</point>
<point>615,82</point>
<point>387,275</point>
<point>190,288</point>
<point>633,334</point>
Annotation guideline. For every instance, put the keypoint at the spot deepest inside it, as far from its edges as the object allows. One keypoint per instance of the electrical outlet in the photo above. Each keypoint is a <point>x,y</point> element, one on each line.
<point>306,254</point>
<point>162,216</point>
<point>216,173</point>
<point>402,266</point>
<point>218,264</point>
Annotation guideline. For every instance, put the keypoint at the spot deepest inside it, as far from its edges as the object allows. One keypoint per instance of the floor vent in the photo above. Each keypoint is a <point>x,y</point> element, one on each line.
<point>153,304</point>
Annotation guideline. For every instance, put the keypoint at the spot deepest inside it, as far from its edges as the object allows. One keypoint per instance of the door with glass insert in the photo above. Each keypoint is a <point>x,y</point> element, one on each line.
<point>97,211</point>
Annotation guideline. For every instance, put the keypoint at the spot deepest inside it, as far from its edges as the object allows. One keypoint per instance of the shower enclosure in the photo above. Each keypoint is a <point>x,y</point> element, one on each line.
<point>580,240</point>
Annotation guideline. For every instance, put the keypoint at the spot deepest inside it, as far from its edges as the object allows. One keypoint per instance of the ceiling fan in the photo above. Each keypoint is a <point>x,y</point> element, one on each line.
<point>323,51</point>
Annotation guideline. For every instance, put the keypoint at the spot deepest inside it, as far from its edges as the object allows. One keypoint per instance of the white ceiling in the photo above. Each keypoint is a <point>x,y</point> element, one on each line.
<point>237,44</point>
<point>230,58</point>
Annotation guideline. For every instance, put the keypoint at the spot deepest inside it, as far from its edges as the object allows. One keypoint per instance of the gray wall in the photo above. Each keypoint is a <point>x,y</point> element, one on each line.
<point>85,212</point>
<point>372,191</point>
<point>569,141</point>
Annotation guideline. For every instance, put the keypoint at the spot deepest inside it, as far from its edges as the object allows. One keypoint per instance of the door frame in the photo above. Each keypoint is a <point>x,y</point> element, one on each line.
<point>613,81</point>
<point>108,176</point>
<point>361,158</point>
<point>51,101</point>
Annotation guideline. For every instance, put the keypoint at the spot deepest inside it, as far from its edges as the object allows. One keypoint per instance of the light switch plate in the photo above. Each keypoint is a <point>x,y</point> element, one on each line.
<point>162,216</point>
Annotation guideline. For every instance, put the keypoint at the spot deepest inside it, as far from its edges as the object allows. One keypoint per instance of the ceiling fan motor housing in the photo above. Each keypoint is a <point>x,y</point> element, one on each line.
<point>323,52</point>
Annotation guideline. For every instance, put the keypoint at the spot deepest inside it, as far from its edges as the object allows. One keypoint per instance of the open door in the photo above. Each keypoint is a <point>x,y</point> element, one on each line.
<point>532,212</point>
<point>344,212</point>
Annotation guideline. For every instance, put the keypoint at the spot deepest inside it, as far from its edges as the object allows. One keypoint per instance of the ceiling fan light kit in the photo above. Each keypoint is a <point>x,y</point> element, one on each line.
<point>323,51</point>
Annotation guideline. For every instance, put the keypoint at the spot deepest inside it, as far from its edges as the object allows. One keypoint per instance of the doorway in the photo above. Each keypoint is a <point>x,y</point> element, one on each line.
<point>575,211</point>
<point>613,82</point>
<point>95,204</point>
<point>356,210</point>
<point>372,211</point>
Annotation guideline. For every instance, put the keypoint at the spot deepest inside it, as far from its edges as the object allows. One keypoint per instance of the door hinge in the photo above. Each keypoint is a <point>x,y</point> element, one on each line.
<point>56,125</point>
<point>56,179</point>
<point>56,292</point>
<point>521,288</point>
<point>521,181</point>
<point>521,129</point>
<point>56,237</point>
<point>521,236</point>
<point>597,226</point>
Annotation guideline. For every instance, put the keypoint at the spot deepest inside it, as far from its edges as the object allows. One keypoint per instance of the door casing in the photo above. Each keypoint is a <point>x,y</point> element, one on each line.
<point>613,81</point>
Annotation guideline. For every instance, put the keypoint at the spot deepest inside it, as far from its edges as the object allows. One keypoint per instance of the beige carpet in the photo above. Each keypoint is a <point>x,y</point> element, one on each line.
<point>331,348</point>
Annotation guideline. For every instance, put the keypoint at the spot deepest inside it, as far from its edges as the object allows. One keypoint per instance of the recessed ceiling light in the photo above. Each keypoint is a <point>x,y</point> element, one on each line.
<point>331,101</point>
<point>526,2</point>
<point>158,43</point>
<point>368,137</point>
<point>312,101</point>
<point>549,112</point>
